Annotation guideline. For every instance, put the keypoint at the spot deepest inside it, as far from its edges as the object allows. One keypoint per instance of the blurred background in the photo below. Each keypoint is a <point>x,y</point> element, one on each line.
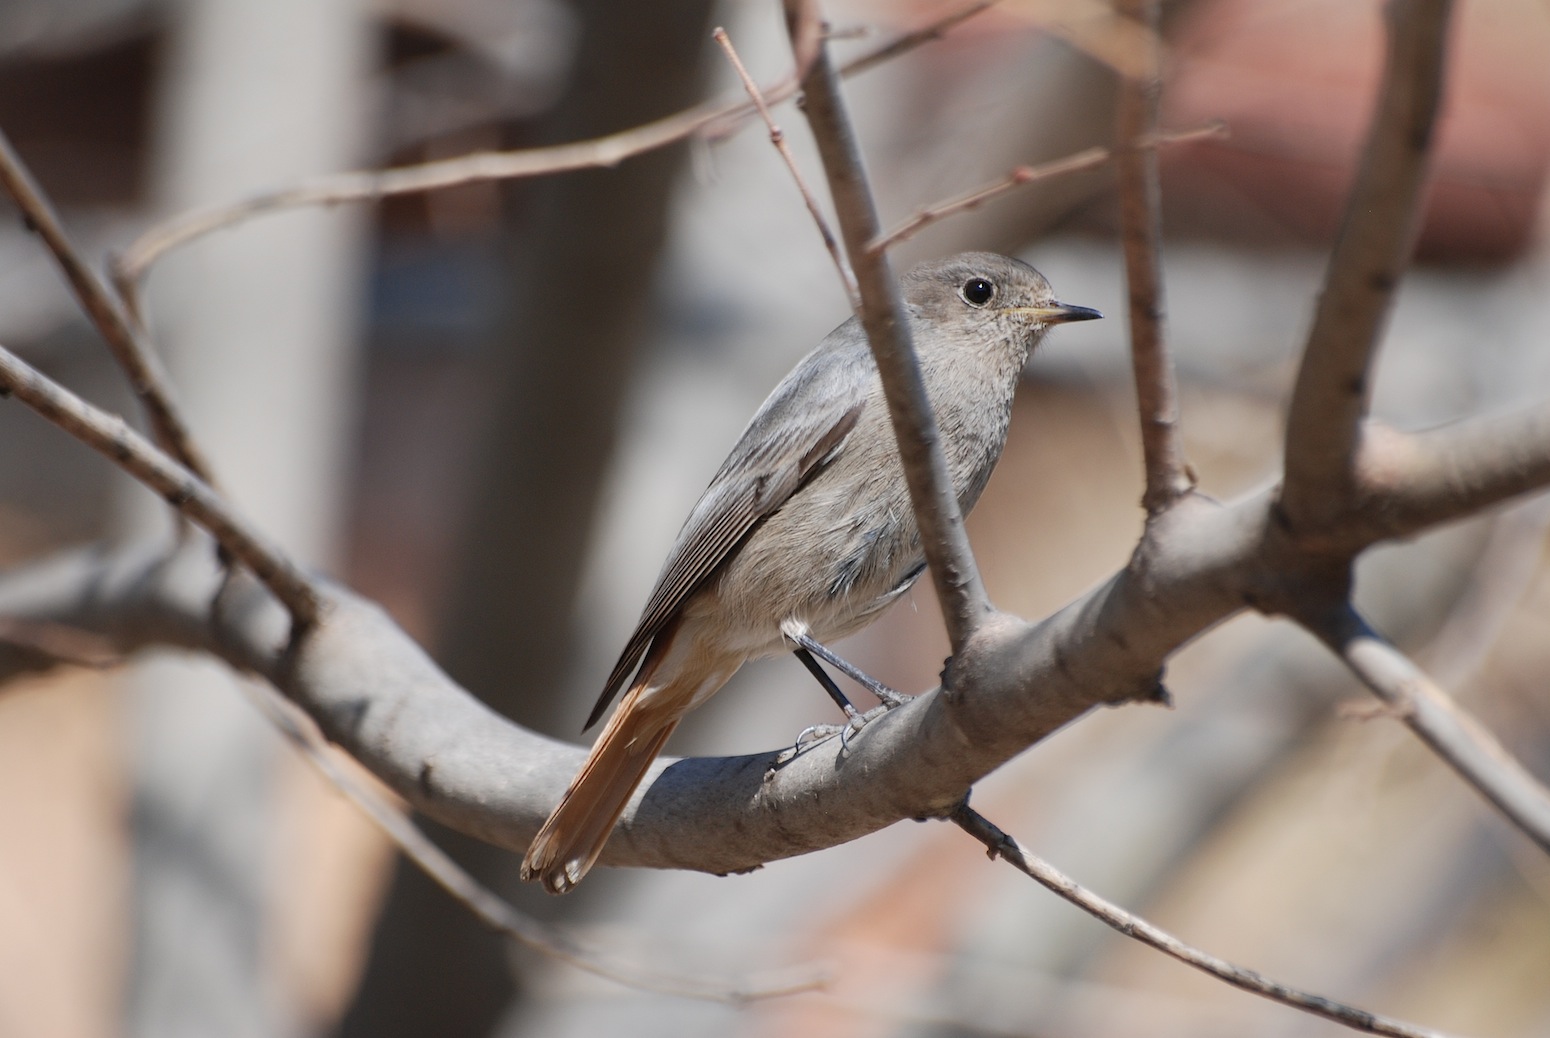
<point>490,408</point>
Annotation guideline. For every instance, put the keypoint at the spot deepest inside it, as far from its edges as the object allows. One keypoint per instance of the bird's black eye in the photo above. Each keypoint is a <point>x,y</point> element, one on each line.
<point>977,291</point>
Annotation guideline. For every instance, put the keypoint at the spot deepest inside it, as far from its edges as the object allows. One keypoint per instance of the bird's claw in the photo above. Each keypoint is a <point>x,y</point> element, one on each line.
<point>855,721</point>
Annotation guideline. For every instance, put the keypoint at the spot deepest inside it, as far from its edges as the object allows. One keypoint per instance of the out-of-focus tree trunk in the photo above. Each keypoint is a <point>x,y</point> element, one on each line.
<point>259,326</point>
<point>580,271</point>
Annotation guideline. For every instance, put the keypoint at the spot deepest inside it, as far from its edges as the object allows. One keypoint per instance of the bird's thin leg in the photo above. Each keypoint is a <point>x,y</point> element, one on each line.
<point>840,700</point>
<point>854,719</point>
<point>807,644</point>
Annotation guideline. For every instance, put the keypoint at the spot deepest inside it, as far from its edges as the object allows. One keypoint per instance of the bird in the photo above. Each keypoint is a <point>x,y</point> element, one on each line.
<point>806,533</point>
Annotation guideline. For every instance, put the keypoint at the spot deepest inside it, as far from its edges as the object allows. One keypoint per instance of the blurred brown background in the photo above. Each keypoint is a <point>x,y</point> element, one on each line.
<point>490,408</point>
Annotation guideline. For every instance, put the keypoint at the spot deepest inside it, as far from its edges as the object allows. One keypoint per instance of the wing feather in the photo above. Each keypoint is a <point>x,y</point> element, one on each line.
<point>796,432</point>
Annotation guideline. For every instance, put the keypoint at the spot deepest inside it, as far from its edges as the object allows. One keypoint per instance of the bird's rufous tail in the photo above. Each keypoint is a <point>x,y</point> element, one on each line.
<point>573,837</point>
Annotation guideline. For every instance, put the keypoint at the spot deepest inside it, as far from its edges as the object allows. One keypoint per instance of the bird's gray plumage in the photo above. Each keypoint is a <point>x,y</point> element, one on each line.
<point>805,428</point>
<point>806,531</point>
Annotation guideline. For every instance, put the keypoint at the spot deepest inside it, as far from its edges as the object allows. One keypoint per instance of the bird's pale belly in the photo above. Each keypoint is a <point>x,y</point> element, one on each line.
<point>871,554</point>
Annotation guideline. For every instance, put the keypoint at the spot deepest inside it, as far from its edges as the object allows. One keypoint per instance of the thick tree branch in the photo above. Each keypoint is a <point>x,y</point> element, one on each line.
<point>374,692</point>
<point>1000,845</point>
<point>1140,219</point>
<point>1460,740</point>
<point>1382,215</point>
<point>959,588</point>
<point>1407,482</point>
<point>147,379</point>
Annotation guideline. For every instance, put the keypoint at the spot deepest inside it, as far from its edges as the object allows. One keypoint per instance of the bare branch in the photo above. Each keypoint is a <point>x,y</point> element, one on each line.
<point>187,493</point>
<point>1089,158</point>
<point>1382,214</point>
<point>999,845</point>
<point>958,585</point>
<point>778,138</point>
<point>712,118</point>
<point>1455,736</point>
<point>909,41</point>
<point>58,643</point>
<point>373,691</point>
<point>127,343</point>
<point>1140,219</point>
<point>1407,482</point>
<point>487,906</point>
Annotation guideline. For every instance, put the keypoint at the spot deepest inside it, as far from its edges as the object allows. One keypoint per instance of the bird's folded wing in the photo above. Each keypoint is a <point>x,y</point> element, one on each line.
<point>798,430</point>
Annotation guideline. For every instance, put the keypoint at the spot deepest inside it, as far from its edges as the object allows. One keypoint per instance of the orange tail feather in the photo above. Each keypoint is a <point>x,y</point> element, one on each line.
<point>573,837</point>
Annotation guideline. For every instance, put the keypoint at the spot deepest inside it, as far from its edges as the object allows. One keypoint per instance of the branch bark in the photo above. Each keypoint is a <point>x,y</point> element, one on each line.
<point>1000,845</point>
<point>111,436</point>
<point>1455,736</point>
<point>961,592</point>
<point>1409,481</point>
<point>1382,216</point>
<point>1140,219</point>
<point>377,694</point>
<point>147,378</point>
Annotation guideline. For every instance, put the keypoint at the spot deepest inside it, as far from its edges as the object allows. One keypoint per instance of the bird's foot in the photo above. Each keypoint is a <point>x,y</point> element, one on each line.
<point>807,648</point>
<point>855,721</point>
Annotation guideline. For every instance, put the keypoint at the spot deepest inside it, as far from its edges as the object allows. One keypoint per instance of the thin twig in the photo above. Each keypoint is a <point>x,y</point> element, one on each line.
<point>1382,215</point>
<point>1000,845</point>
<point>1140,204</point>
<point>60,643</point>
<point>1088,158</point>
<point>186,492</point>
<point>711,118</point>
<point>778,138</point>
<point>959,588</point>
<point>1428,711</point>
<point>128,345</point>
<point>484,903</point>
<point>914,38</point>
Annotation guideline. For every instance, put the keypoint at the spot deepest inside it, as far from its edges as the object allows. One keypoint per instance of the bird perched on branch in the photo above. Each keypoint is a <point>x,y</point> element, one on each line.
<point>806,533</point>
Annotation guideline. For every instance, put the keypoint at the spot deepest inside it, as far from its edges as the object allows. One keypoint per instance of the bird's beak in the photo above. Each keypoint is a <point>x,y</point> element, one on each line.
<point>1057,313</point>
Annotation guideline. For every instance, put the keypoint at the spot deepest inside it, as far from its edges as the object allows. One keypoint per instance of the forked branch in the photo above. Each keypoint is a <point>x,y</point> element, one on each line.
<point>191,496</point>
<point>125,340</point>
<point>1382,215</point>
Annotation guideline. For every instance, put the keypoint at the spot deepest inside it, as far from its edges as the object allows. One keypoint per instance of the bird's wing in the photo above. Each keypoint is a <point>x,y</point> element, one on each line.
<point>798,430</point>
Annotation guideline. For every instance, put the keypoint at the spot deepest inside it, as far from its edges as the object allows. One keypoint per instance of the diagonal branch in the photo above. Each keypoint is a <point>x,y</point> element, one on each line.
<point>1455,736</point>
<point>1087,158</point>
<point>1000,845</point>
<point>124,338</point>
<point>1382,215</point>
<point>191,496</point>
<point>778,138</point>
<point>711,117</point>
<point>959,588</point>
<point>1167,475</point>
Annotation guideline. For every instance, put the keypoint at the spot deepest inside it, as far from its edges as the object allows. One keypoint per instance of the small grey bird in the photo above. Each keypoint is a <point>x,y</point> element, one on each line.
<point>806,531</point>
